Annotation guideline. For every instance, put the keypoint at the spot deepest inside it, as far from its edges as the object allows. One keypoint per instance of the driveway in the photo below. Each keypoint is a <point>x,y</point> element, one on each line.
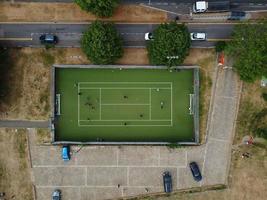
<point>106,172</point>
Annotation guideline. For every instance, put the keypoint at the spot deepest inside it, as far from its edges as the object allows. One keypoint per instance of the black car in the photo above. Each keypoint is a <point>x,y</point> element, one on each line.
<point>48,39</point>
<point>195,171</point>
<point>167,182</point>
<point>237,15</point>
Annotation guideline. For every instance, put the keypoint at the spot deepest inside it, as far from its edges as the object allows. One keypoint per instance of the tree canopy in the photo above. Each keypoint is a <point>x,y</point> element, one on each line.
<point>101,43</point>
<point>101,8</point>
<point>249,48</point>
<point>170,44</point>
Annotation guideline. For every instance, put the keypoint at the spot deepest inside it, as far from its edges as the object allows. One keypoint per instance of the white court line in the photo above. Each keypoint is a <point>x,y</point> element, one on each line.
<point>100,103</point>
<point>127,125</point>
<point>78,104</point>
<point>126,88</point>
<point>94,186</point>
<point>126,82</point>
<point>125,120</point>
<point>150,99</point>
<point>150,103</point>
<point>171,103</point>
<point>125,104</point>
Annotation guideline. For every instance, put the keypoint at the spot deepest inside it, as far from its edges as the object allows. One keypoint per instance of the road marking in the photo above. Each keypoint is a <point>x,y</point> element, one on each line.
<point>15,39</point>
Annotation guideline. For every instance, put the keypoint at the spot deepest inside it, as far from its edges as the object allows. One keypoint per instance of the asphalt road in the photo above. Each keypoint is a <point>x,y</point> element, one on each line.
<point>70,34</point>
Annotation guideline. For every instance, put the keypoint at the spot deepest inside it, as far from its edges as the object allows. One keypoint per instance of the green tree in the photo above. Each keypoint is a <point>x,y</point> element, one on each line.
<point>220,46</point>
<point>249,48</point>
<point>101,43</point>
<point>4,71</point>
<point>101,8</point>
<point>170,44</point>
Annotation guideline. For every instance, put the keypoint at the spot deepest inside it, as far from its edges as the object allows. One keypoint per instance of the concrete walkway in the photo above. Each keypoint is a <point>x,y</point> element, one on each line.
<point>23,124</point>
<point>221,127</point>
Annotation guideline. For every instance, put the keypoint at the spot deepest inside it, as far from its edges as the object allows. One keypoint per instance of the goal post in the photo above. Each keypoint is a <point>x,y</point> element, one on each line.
<point>58,111</point>
<point>191,105</point>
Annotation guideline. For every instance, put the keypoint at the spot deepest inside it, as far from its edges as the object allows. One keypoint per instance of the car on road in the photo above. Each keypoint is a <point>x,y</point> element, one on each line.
<point>65,152</point>
<point>48,39</point>
<point>148,36</point>
<point>167,182</point>
<point>198,36</point>
<point>56,195</point>
<point>195,171</point>
<point>237,15</point>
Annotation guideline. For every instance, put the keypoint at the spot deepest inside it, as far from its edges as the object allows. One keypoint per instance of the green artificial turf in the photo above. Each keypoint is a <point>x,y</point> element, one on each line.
<point>129,105</point>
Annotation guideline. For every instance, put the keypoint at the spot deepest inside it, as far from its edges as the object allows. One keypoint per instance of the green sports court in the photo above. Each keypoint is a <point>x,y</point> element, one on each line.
<point>120,104</point>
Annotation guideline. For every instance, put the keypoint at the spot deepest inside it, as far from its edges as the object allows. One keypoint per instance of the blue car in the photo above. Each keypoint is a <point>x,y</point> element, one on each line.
<point>195,171</point>
<point>66,152</point>
<point>167,182</point>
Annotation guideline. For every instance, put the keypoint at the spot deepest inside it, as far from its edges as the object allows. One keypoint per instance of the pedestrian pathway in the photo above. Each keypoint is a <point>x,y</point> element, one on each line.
<point>23,124</point>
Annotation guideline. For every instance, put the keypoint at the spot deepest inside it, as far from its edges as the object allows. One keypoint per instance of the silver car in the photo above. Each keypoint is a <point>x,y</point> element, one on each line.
<point>56,195</point>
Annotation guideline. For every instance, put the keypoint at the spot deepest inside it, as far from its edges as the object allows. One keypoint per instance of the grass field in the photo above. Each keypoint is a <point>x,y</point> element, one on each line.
<point>129,105</point>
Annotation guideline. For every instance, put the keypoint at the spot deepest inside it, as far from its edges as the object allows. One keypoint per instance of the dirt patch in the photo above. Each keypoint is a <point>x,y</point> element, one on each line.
<point>134,56</point>
<point>28,97</point>
<point>69,12</point>
<point>258,15</point>
<point>15,180</point>
<point>251,104</point>
<point>43,136</point>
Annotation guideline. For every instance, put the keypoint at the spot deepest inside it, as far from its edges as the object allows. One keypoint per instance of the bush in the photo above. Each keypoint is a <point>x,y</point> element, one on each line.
<point>101,43</point>
<point>220,46</point>
<point>170,45</point>
<point>262,133</point>
<point>264,96</point>
<point>5,66</point>
<point>258,124</point>
<point>174,145</point>
<point>101,8</point>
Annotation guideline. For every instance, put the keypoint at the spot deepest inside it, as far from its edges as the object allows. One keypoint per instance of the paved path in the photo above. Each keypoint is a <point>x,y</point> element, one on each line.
<point>220,134</point>
<point>23,124</point>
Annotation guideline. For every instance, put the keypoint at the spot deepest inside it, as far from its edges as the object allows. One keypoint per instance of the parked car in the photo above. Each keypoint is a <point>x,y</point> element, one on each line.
<point>198,36</point>
<point>167,182</point>
<point>148,36</point>
<point>65,152</point>
<point>195,171</point>
<point>237,15</point>
<point>56,195</point>
<point>48,39</point>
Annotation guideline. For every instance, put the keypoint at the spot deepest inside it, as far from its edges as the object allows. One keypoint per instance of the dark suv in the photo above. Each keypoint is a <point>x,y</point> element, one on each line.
<point>167,182</point>
<point>237,15</point>
<point>48,39</point>
<point>195,171</point>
